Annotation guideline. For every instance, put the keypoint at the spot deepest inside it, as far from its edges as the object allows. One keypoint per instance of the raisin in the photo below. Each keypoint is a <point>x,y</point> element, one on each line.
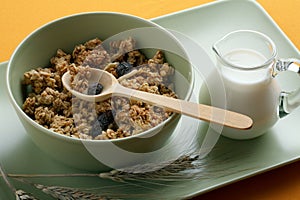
<point>123,68</point>
<point>105,119</point>
<point>101,124</point>
<point>95,88</point>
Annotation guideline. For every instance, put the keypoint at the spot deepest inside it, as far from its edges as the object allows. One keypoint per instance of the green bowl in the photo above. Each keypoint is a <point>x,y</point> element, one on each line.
<point>37,49</point>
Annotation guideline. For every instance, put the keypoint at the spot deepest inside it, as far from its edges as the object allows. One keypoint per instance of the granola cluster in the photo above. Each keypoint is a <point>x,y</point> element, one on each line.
<point>53,107</point>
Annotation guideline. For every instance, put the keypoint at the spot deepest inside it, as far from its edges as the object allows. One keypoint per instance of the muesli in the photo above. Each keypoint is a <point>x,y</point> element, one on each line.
<point>52,106</point>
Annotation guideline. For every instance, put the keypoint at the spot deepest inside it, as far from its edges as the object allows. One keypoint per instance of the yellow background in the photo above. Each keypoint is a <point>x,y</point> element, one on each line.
<point>19,18</point>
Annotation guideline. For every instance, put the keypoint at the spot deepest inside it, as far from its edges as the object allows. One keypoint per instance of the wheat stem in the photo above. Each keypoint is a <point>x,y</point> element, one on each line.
<point>20,194</point>
<point>51,175</point>
<point>4,176</point>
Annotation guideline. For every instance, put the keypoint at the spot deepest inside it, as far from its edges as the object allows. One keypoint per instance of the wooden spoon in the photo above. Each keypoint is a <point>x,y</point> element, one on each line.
<point>200,111</point>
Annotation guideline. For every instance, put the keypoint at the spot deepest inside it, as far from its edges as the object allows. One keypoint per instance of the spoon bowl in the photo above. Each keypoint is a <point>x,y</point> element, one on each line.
<point>111,86</point>
<point>107,80</point>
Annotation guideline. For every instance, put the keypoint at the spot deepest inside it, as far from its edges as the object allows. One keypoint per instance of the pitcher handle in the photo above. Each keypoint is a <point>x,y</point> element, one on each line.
<point>289,101</point>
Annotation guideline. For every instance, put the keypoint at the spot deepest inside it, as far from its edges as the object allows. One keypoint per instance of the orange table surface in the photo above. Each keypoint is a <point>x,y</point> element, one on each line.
<point>19,18</point>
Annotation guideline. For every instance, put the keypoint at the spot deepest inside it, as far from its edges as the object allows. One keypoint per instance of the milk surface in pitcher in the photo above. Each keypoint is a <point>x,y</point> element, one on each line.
<point>250,91</point>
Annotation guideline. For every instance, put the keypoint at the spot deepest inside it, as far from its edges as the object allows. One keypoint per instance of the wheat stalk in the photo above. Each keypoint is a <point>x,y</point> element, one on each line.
<point>51,175</point>
<point>57,192</point>
<point>185,168</point>
<point>20,194</point>
<point>164,171</point>
<point>169,170</point>
<point>68,193</point>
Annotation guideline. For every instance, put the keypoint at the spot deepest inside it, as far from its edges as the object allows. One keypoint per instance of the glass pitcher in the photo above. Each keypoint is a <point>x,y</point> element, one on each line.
<point>247,61</point>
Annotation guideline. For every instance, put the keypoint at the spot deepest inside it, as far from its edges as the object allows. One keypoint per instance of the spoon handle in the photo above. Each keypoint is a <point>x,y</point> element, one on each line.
<point>199,111</point>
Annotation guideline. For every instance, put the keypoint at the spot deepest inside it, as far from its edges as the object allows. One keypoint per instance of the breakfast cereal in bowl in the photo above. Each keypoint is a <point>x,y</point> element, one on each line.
<point>53,107</point>
<point>70,129</point>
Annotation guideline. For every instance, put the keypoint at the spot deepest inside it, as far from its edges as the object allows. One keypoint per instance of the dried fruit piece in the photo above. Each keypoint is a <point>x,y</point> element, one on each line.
<point>95,88</point>
<point>101,124</point>
<point>123,68</point>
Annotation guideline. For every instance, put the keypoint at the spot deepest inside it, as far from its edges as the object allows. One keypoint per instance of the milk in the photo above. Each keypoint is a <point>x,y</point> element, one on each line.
<point>246,59</point>
<point>249,91</point>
